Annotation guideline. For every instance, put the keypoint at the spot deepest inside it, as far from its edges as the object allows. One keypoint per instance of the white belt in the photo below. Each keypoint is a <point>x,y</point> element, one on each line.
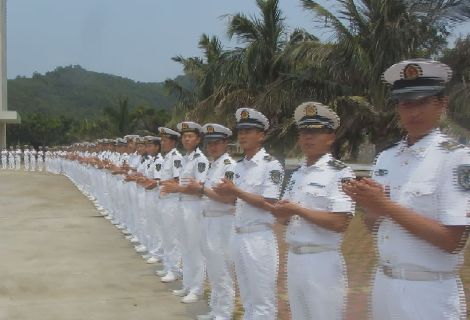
<point>169,196</point>
<point>309,249</point>
<point>254,228</point>
<point>215,214</point>
<point>189,198</point>
<point>414,275</point>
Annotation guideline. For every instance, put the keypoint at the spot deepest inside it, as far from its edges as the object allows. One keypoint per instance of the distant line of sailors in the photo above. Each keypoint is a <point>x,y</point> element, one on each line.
<point>32,159</point>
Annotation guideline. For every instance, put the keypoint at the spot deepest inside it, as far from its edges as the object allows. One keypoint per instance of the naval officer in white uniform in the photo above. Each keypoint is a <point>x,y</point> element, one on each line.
<point>318,212</point>
<point>256,186</point>
<point>419,203</point>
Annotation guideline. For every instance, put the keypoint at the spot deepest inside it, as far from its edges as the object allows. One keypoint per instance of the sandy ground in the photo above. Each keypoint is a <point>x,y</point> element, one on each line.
<point>61,260</point>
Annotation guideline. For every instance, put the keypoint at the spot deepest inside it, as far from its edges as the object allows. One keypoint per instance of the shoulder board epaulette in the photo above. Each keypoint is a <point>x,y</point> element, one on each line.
<point>240,160</point>
<point>173,153</point>
<point>196,155</point>
<point>227,162</point>
<point>450,145</point>
<point>390,146</point>
<point>296,168</point>
<point>336,164</point>
<point>268,158</point>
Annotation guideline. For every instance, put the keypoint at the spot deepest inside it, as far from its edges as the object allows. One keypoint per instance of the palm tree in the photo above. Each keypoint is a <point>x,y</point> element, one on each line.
<point>368,37</point>
<point>264,38</point>
<point>204,74</point>
<point>274,71</point>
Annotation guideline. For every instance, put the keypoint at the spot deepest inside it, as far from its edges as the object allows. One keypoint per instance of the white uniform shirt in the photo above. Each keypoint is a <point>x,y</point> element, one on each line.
<point>141,165</point>
<point>195,166</point>
<point>318,187</point>
<point>218,170</point>
<point>4,153</point>
<point>117,158</point>
<point>123,159</point>
<point>429,178</point>
<point>102,155</point>
<point>155,170</point>
<point>147,166</point>
<point>134,160</point>
<point>260,175</point>
<point>171,168</point>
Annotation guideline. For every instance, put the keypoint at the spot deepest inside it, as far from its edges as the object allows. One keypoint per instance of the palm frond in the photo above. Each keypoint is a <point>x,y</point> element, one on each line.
<point>329,19</point>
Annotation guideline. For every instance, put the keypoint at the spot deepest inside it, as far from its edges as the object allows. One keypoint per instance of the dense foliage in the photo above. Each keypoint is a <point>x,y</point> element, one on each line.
<point>72,104</point>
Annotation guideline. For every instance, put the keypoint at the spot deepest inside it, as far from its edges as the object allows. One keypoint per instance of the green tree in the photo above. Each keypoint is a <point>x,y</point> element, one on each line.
<point>228,79</point>
<point>148,119</point>
<point>274,71</point>
<point>368,37</point>
<point>458,58</point>
<point>120,117</point>
<point>40,129</point>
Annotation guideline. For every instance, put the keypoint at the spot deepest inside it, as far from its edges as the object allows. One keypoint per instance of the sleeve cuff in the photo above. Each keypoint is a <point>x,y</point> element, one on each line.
<point>342,206</point>
<point>454,220</point>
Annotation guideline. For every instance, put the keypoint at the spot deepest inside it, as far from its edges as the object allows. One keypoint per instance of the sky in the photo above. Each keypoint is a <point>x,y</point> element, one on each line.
<point>131,38</point>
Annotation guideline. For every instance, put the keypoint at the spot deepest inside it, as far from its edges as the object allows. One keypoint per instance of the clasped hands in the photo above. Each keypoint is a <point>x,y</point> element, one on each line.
<point>366,192</point>
<point>192,187</point>
<point>280,209</point>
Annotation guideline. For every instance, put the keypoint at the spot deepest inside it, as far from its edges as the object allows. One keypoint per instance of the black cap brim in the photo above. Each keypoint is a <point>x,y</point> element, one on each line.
<point>415,94</point>
<point>250,126</point>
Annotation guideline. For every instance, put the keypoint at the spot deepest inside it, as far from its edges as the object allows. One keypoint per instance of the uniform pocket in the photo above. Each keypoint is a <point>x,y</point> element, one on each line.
<point>421,196</point>
<point>316,197</point>
<point>316,191</point>
<point>421,188</point>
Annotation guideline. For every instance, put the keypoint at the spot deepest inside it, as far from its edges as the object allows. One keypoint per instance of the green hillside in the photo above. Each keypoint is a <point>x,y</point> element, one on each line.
<point>79,93</point>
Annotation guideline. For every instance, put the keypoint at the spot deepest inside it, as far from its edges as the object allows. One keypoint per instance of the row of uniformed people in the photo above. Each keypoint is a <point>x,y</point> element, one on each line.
<point>32,159</point>
<point>200,229</point>
<point>210,214</point>
<point>11,158</point>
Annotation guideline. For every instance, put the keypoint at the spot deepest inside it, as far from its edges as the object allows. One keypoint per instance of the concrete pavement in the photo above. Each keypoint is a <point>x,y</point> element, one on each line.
<point>59,259</point>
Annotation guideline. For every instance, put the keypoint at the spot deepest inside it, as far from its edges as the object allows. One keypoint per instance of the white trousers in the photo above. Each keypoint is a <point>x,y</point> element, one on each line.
<point>316,285</point>
<point>396,299</point>
<point>138,214</point>
<point>256,264</point>
<point>32,164</point>
<point>17,163</point>
<point>218,241</point>
<point>171,251</point>
<point>40,164</point>
<point>154,224</point>
<point>26,164</point>
<point>191,235</point>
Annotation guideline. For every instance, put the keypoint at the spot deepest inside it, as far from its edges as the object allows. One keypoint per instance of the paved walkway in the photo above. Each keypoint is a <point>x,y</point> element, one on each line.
<point>59,259</point>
